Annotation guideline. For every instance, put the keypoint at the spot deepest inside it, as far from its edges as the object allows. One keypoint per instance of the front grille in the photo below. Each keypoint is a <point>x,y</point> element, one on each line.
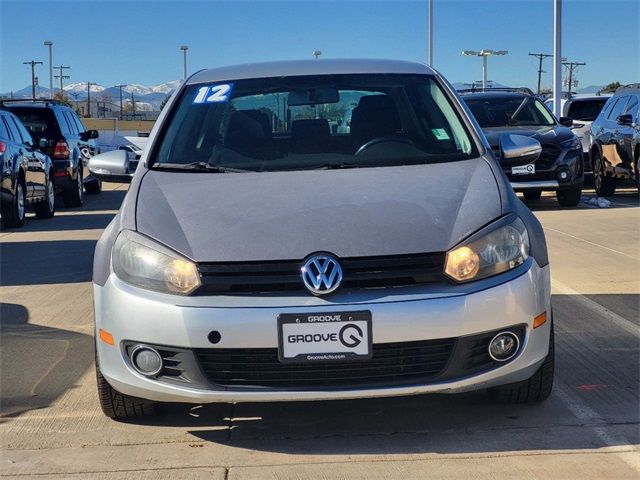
<point>358,273</point>
<point>548,156</point>
<point>392,364</point>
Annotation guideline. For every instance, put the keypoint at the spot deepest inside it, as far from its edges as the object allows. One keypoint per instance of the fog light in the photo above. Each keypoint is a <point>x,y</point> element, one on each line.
<point>504,346</point>
<point>146,360</point>
<point>563,175</point>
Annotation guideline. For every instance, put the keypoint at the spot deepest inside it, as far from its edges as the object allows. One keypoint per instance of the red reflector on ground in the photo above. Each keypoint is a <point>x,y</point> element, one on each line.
<point>539,320</point>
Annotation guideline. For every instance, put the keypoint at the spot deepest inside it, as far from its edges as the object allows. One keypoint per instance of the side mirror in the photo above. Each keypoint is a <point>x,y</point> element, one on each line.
<point>625,119</point>
<point>520,148</point>
<point>43,143</point>
<point>566,121</point>
<point>111,166</point>
<point>89,134</point>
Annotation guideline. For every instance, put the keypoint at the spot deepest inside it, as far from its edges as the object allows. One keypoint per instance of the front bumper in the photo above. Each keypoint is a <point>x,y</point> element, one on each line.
<point>132,314</point>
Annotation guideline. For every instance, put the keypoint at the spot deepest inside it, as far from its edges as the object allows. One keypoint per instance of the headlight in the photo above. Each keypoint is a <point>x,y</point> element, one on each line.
<point>573,143</point>
<point>496,252</point>
<point>144,263</point>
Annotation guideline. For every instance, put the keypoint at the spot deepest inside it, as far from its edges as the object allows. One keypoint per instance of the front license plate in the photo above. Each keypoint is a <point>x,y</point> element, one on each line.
<point>523,169</point>
<point>324,337</point>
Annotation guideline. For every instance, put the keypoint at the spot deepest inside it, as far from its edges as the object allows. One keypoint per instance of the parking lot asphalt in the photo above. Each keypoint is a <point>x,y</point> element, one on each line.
<point>51,425</point>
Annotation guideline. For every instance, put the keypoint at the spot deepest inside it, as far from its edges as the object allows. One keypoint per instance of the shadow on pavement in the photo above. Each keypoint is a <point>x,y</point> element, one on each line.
<point>106,200</point>
<point>46,262</point>
<point>626,198</point>
<point>38,363</point>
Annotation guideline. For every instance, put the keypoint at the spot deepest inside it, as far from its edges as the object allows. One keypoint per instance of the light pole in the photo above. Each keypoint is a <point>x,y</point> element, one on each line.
<point>316,53</point>
<point>485,54</point>
<point>557,57</point>
<point>184,49</point>
<point>89,98</point>
<point>431,33</point>
<point>49,43</point>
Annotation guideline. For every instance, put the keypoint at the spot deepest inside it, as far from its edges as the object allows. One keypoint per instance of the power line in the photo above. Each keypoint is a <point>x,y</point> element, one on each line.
<point>33,64</point>
<point>572,66</point>
<point>62,76</point>
<point>540,57</point>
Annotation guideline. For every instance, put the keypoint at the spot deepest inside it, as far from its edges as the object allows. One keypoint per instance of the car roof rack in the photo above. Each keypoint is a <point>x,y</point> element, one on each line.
<point>34,100</point>
<point>630,86</point>
<point>525,90</point>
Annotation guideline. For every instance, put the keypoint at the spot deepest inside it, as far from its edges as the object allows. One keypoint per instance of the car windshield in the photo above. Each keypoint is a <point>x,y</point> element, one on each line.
<point>307,122</point>
<point>507,111</point>
<point>586,110</point>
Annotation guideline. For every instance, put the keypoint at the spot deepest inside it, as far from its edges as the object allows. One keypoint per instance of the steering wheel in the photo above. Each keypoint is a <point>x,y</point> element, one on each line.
<point>381,140</point>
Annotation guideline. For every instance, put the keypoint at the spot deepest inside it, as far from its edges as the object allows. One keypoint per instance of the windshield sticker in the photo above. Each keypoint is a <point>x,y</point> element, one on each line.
<point>214,93</point>
<point>440,134</point>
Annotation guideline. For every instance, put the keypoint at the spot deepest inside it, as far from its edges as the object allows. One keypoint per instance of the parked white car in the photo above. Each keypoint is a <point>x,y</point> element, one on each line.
<point>583,110</point>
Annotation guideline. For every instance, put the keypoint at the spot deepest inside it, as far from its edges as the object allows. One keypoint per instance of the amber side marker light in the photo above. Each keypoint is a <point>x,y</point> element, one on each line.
<point>106,337</point>
<point>539,320</point>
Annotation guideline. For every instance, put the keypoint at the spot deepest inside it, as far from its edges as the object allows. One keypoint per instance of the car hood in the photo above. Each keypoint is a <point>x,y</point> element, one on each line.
<point>221,217</point>
<point>545,135</point>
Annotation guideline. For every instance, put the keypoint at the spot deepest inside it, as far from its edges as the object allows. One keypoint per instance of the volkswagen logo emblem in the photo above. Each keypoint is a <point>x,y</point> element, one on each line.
<point>321,274</point>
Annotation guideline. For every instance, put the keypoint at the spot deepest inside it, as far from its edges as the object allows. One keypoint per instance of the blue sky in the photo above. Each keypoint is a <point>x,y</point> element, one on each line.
<point>112,42</point>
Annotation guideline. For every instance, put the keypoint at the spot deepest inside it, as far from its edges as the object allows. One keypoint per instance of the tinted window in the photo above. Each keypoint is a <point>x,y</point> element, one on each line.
<point>586,110</point>
<point>632,106</point>
<point>291,123</point>
<point>40,122</point>
<point>4,133</point>
<point>77,121</point>
<point>504,111</point>
<point>617,108</point>
<point>70,123</point>
<point>11,127</point>
<point>24,135</point>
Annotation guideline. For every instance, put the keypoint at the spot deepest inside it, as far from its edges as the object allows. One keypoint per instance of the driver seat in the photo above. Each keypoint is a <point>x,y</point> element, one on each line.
<point>375,116</point>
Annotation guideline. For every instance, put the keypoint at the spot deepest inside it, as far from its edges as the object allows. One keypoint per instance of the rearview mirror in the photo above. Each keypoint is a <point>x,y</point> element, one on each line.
<point>313,96</point>
<point>566,121</point>
<point>625,119</point>
<point>111,166</point>
<point>524,149</point>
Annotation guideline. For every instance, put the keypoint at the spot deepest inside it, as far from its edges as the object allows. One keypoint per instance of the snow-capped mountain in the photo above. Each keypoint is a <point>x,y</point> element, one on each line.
<point>82,88</point>
<point>146,97</point>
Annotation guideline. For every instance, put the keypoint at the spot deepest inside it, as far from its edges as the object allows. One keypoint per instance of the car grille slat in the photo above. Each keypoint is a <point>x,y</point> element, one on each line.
<point>358,273</point>
<point>400,363</point>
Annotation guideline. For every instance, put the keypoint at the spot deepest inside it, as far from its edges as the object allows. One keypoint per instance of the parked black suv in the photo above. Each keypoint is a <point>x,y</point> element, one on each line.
<point>559,167</point>
<point>26,174</point>
<point>615,141</point>
<point>59,133</point>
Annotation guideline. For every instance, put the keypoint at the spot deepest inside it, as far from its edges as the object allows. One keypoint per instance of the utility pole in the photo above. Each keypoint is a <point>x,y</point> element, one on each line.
<point>33,64</point>
<point>120,87</point>
<point>89,98</point>
<point>184,49</point>
<point>541,57</point>
<point>62,77</point>
<point>133,106</point>
<point>572,66</point>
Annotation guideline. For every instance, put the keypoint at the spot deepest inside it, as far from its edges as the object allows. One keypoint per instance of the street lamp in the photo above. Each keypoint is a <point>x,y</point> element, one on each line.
<point>184,49</point>
<point>485,54</point>
<point>316,53</point>
<point>49,43</point>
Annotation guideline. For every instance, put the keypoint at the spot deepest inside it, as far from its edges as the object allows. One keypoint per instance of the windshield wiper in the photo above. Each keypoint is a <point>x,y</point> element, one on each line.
<point>512,118</point>
<point>332,166</point>
<point>203,166</point>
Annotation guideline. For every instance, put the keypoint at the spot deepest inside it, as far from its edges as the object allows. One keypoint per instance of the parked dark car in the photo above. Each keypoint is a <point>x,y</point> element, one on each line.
<point>615,141</point>
<point>66,141</point>
<point>27,174</point>
<point>559,167</point>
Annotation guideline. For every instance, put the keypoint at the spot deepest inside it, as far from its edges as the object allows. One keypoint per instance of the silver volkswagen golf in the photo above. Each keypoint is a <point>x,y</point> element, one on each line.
<point>265,251</point>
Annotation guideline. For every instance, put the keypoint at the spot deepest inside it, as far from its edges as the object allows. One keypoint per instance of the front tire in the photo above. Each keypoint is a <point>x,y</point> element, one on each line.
<point>605,186</point>
<point>532,194</point>
<point>533,390</point>
<point>47,208</point>
<point>93,187</point>
<point>118,406</point>
<point>569,197</point>
<point>73,195</point>
<point>14,211</point>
